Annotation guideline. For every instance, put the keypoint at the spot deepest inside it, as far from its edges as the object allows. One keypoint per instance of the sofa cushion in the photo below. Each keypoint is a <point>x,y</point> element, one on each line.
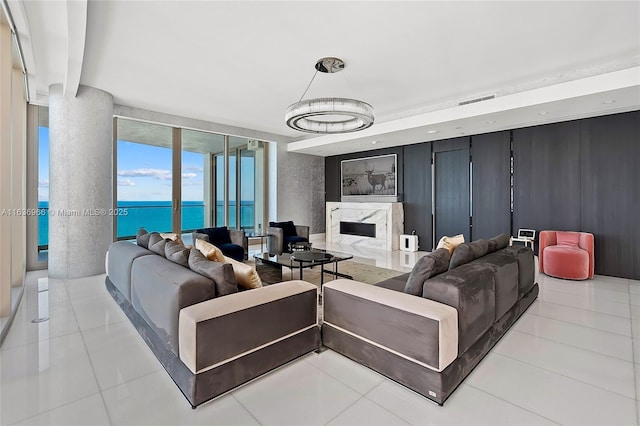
<point>160,289</point>
<point>177,253</point>
<point>233,251</point>
<point>288,228</point>
<point>567,238</point>
<point>450,243</point>
<point>526,267</point>
<point>427,266</point>
<point>157,243</point>
<point>505,277</point>
<point>172,236</point>
<point>461,255</point>
<point>210,251</point>
<point>217,236</point>
<point>119,263</point>
<point>220,273</point>
<point>470,289</point>
<point>565,261</point>
<point>394,283</point>
<point>142,238</point>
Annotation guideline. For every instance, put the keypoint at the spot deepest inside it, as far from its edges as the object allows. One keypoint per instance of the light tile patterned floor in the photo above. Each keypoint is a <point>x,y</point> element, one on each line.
<point>571,359</point>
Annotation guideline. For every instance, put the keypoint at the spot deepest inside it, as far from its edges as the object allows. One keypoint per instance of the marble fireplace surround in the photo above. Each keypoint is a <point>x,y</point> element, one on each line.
<point>387,217</point>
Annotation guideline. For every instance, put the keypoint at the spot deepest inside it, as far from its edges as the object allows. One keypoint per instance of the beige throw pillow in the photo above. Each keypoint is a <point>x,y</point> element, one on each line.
<point>172,236</point>
<point>210,251</point>
<point>450,243</point>
<point>246,275</point>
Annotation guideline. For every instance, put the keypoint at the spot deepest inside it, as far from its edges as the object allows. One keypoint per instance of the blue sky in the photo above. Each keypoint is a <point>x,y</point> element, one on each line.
<point>144,172</point>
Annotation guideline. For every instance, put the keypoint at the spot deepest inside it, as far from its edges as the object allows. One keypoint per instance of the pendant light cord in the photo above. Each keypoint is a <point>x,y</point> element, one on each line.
<point>309,85</point>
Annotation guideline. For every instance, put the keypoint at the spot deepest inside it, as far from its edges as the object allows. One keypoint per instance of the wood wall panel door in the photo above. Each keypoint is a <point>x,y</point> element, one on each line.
<point>332,182</point>
<point>610,201</point>
<point>417,193</point>
<point>491,185</point>
<point>546,177</point>
<point>452,193</point>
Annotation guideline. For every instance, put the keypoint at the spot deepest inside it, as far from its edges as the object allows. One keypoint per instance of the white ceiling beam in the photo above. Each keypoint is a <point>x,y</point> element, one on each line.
<point>76,37</point>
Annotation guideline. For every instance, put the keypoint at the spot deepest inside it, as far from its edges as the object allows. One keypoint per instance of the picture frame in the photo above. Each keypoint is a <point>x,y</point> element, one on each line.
<point>370,178</point>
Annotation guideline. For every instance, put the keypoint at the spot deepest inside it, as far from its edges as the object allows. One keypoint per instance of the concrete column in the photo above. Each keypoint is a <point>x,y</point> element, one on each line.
<point>80,181</point>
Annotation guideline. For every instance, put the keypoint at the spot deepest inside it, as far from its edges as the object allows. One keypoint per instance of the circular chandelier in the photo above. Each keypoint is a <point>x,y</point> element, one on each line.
<point>329,115</point>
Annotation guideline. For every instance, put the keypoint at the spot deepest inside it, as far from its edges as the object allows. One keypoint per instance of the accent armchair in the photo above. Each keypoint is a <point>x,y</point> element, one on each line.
<point>231,242</point>
<point>283,233</point>
<point>566,254</point>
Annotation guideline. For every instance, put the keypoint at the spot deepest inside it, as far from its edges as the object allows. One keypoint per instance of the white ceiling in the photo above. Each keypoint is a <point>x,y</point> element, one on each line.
<point>242,63</point>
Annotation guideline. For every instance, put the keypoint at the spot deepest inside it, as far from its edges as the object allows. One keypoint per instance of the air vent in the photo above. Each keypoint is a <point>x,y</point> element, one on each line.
<point>473,101</point>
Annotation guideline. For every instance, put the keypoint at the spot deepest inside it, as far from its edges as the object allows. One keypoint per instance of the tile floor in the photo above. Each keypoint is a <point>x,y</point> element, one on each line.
<point>571,359</point>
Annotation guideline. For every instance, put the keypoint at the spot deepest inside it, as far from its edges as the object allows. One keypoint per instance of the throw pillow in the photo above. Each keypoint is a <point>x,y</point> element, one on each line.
<point>288,228</point>
<point>498,242</point>
<point>210,251</point>
<point>479,248</point>
<point>220,273</point>
<point>177,253</point>
<point>246,275</point>
<point>426,267</point>
<point>157,243</point>
<point>461,255</point>
<point>217,236</point>
<point>172,236</point>
<point>142,238</point>
<point>450,243</point>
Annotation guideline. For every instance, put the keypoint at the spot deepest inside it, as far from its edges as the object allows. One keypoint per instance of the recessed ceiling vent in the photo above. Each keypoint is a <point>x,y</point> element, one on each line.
<point>473,101</point>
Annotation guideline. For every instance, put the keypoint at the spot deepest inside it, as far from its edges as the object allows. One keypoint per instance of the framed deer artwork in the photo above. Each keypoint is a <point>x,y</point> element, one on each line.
<point>370,177</point>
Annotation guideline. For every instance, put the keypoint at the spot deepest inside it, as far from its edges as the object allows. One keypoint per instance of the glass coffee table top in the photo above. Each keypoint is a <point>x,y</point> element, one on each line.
<point>306,259</point>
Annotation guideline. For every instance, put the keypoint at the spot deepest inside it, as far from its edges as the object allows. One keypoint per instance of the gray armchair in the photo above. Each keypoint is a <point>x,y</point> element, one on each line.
<point>283,233</point>
<point>231,242</point>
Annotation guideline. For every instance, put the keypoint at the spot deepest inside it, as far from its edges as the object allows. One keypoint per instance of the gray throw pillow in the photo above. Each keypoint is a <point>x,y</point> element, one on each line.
<point>426,267</point>
<point>157,243</point>
<point>479,248</point>
<point>500,241</point>
<point>461,255</point>
<point>177,253</point>
<point>220,273</point>
<point>142,238</point>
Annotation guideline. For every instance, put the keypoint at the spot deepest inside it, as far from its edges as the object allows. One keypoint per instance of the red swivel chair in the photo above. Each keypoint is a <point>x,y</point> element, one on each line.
<point>565,254</point>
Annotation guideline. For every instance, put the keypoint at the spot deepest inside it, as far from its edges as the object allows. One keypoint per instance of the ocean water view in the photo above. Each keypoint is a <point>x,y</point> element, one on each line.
<point>156,216</point>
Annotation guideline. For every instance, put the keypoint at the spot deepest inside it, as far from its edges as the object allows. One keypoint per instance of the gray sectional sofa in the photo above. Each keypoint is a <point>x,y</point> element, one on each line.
<point>194,332</point>
<point>430,340</point>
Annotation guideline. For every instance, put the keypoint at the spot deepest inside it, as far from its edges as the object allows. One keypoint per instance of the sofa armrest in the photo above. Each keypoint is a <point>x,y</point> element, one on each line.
<point>546,239</point>
<point>217,331</point>
<point>237,237</point>
<point>417,329</point>
<point>586,243</point>
<point>275,240</point>
<point>302,231</point>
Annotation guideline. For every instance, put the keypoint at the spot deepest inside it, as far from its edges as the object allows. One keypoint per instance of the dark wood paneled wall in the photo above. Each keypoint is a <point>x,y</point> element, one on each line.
<point>577,175</point>
<point>546,177</point>
<point>610,192</point>
<point>417,193</point>
<point>452,204</point>
<point>491,183</point>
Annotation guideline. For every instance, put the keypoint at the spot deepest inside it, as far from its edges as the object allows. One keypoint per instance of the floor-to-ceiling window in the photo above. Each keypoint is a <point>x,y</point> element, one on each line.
<point>43,181</point>
<point>144,177</point>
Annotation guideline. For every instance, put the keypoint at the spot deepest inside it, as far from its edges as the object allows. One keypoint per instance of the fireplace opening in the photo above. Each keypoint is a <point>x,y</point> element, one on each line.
<point>358,228</point>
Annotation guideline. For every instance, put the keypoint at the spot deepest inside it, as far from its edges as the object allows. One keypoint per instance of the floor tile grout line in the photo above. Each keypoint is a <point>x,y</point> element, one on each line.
<point>635,376</point>
<point>560,289</point>
<point>346,384</point>
<point>574,346</point>
<point>576,325</point>
<point>56,408</point>
<point>245,408</point>
<point>630,336</point>
<point>93,370</point>
<point>360,396</point>
<point>565,376</point>
<point>588,310</point>
<point>512,403</point>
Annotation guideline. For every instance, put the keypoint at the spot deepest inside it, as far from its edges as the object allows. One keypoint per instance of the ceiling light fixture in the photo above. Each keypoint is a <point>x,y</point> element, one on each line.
<point>329,115</point>
<point>543,113</point>
<point>432,132</point>
<point>610,101</point>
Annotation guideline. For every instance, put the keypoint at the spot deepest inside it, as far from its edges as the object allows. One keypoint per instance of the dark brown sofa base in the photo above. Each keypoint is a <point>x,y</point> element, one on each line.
<point>202,387</point>
<point>414,376</point>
